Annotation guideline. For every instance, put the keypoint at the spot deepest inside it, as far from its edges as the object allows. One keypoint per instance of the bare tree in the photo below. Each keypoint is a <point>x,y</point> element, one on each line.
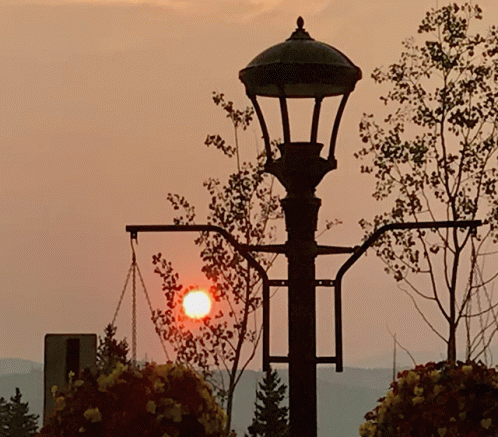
<point>247,207</point>
<point>434,157</point>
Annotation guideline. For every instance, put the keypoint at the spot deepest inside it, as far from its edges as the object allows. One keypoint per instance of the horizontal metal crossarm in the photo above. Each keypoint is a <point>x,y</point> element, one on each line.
<point>270,248</point>
<point>135,229</point>
<point>332,250</point>
<point>326,360</point>
<point>278,283</point>
<point>277,359</point>
<point>318,360</point>
<point>285,282</point>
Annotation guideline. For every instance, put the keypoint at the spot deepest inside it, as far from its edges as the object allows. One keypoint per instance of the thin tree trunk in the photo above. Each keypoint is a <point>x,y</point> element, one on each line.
<point>233,373</point>
<point>451,355</point>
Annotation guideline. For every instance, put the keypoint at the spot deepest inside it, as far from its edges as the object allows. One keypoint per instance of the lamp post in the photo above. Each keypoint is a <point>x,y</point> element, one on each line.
<point>301,67</point>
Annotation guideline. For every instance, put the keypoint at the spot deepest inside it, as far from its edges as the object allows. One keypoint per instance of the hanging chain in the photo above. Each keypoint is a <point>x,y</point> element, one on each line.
<point>122,295</point>
<point>135,269</point>
<point>152,312</point>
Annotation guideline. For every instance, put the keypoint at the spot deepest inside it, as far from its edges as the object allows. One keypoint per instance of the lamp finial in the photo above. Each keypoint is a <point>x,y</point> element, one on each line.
<point>300,33</point>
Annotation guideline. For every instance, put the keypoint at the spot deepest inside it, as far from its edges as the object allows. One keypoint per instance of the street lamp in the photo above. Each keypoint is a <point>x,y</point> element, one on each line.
<point>301,67</point>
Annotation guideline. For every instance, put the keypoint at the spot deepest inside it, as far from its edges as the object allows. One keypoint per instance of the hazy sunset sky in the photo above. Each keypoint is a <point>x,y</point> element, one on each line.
<point>104,108</point>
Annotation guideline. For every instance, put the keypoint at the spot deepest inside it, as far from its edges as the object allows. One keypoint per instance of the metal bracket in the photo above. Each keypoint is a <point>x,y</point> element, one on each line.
<point>361,250</point>
<point>242,249</point>
<point>245,250</point>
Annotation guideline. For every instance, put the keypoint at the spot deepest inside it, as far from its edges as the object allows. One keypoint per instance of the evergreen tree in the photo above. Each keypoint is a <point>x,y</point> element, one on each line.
<point>270,419</point>
<point>4,415</point>
<point>19,422</point>
<point>110,351</point>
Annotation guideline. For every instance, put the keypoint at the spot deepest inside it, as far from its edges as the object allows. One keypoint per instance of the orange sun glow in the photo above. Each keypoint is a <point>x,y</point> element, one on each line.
<point>197,304</point>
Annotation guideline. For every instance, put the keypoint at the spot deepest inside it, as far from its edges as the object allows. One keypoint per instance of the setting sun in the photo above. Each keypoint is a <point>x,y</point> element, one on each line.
<point>197,304</point>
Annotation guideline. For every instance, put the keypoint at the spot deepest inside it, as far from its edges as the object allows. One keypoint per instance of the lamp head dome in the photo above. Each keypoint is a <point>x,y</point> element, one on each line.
<point>300,67</point>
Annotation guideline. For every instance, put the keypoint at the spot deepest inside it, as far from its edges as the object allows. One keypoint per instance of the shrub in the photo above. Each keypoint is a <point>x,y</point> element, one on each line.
<point>438,399</point>
<point>154,401</point>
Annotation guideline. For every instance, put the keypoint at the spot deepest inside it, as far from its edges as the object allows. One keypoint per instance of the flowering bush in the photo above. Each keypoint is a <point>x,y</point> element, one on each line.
<point>154,401</point>
<point>438,400</point>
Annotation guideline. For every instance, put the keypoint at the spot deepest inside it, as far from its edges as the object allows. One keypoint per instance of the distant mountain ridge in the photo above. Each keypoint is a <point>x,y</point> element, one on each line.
<point>18,365</point>
<point>343,398</point>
